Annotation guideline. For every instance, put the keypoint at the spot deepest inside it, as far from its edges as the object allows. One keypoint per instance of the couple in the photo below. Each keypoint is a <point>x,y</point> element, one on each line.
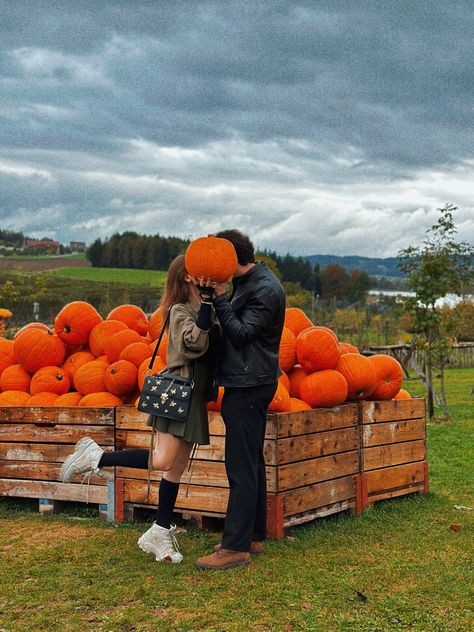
<point>247,327</point>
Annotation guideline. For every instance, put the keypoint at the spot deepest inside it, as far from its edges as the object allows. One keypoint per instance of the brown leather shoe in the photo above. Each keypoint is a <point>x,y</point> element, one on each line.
<point>256,547</point>
<point>222,559</point>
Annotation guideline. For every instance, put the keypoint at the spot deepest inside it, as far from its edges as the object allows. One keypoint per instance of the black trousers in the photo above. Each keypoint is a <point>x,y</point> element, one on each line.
<point>244,411</point>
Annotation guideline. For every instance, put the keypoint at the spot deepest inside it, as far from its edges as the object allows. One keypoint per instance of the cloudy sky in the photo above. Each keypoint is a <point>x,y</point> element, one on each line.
<point>316,127</point>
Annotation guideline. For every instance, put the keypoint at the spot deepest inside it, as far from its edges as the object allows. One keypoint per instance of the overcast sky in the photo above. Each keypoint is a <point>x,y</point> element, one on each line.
<point>316,127</point>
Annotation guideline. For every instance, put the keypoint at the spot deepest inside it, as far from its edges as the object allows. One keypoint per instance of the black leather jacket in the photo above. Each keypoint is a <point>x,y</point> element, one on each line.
<point>252,321</point>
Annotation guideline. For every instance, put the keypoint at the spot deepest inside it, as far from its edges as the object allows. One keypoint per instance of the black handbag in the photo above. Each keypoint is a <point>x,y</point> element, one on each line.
<point>166,394</point>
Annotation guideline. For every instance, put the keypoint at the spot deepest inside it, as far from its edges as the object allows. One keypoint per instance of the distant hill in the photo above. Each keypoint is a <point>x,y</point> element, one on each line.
<point>373,266</point>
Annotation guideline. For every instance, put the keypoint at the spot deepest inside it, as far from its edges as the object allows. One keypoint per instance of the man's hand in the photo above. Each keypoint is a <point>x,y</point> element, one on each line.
<point>220,288</point>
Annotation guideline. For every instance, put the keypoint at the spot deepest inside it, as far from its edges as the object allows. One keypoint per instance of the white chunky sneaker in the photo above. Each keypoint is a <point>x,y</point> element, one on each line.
<point>84,460</point>
<point>162,543</point>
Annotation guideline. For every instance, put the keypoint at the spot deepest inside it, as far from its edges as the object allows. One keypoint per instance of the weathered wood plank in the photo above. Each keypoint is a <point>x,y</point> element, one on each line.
<point>45,472</point>
<point>389,478</point>
<point>393,432</point>
<point>321,512</point>
<point>50,452</point>
<point>194,498</point>
<point>392,410</point>
<point>317,420</point>
<point>415,488</point>
<point>311,446</point>
<point>25,433</point>
<point>393,454</point>
<point>312,497</point>
<point>317,470</point>
<point>55,415</point>
<point>55,491</point>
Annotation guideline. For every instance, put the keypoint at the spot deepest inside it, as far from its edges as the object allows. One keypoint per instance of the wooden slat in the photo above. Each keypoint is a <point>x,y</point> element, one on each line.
<point>305,447</point>
<point>55,415</point>
<point>53,491</point>
<point>212,499</point>
<point>45,472</point>
<point>392,410</point>
<point>311,497</point>
<point>393,454</point>
<point>393,432</point>
<point>316,470</point>
<point>384,480</point>
<point>104,435</point>
<point>51,452</point>
<point>317,420</point>
<point>415,488</point>
<point>321,512</point>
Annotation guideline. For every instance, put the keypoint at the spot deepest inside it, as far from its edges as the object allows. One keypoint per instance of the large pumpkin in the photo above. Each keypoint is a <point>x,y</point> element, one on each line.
<point>132,316</point>
<point>114,345</point>
<point>163,348</point>
<point>68,399</point>
<point>359,373</point>
<point>15,378</point>
<point>101,400</point>
<point>217,405</point>
<point>389,375</point>
<point>89,378</point>
<point>296,320</point>
<point>76,360</point>
<point>42,399</point>
<point>285,380</point>
<point>121,378</point>
<point>295,376</point>
<point>51,379</point>
<point>35,348</point>
<point>324,389</point>
<point>317,349</point>
<point>158,365</point>
<point>7,357</point>
<point>297,405</point>
<point>136,352</point>
<point>34,325</point>
<point>75,321</point>
<point>155,324</point>
<point>346,347</point>
<point>101,333</point>
<point>287,352</point>
<point>211,258</point>
<point>281,400</point>
<point>14,398</point>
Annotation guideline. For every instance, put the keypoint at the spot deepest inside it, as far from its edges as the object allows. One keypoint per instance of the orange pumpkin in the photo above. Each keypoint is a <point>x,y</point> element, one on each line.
<point>281,400</point>
<point>359,373</point>
<point>298,404</point>
<point>114,345</point>
<point>389,376</point>
<point>317,350</point>
<point>211,258</point>
<point>100,400</point>
<point>132,316</point>
<point>285,380</point>
<point>295,377</point>
<point>50,379</point>
<point>402,394</point>
<point>35,348</point>
<point>287,353</point>
<point>102,332</point>
<point>68,399</point>
<point>76,360</point>
<point>15,378</point>
<point>42,399</point>
<point>89,378</point>
<point>324,389</point>
<point>158,365</point>
<point>155,324</point>
<point>346,347</point>
<point>163,348</point>
<point>121,378</point>
<point>136,353</point>
<point>7,357</point>
<point>14,398</point>
<point>216,406</point>
<point>296,320</point>
<point>31,326</point>
<point>75,321</point>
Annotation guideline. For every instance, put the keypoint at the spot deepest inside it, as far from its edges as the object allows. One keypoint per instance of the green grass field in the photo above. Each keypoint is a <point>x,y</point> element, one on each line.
<point>149,278</point>
<point>405,564</point>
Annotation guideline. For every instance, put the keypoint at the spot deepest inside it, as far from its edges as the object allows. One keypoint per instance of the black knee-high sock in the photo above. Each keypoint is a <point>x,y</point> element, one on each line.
<point>166,501</point>
<point>127,458</point>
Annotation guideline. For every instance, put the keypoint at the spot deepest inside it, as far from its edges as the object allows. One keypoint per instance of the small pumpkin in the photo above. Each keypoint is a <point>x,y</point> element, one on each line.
<point>296,320</point>
<point>389,376</point>
<point>42,399</point>
<point>317,349</point>
<point>295,376</point>
<point>297,405</point>
<point>15,378</point>
<point>114,346</point>
<point>7,357</point>
<point>68,400</point>
<point>324,389</point>
<point>281,400</point>
<point>90,377</point>
<point>155,324</point>
<point>75,361</point>
<point>402,394</point>
<point>287,351</point>
<point>14,398</point>
<point>51,379</point>
<point>285,380</point>
<point>359,373</point>
<point>216,406</point>
<point>102,332</point>
<point>35,348</point>
<point>163,348</point>
<point>346,347</point>
<point>132,316</point>
<point>75,321</point>
<point>101,400</point>
<point>121,378</point>
<point>211,258</point>
<point>158,365</point>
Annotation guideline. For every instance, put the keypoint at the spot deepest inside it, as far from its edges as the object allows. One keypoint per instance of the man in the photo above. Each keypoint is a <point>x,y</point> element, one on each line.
<point>252,321</point>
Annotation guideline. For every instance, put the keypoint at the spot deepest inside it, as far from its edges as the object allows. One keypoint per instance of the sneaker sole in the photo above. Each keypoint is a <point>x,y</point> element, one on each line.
<point>81,445</point>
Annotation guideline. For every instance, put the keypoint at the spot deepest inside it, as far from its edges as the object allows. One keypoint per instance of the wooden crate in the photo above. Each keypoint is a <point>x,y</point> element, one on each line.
<point>312,461</point>
<point>34,442</point>
<point>393,449</point>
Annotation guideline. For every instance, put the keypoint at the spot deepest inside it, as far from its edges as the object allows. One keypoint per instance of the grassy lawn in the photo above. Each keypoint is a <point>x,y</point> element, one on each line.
<point>152,278</point>
<point>406,564</point>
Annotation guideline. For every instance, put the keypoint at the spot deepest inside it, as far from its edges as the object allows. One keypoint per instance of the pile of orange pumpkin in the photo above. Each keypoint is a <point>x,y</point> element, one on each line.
<point>88,361</point>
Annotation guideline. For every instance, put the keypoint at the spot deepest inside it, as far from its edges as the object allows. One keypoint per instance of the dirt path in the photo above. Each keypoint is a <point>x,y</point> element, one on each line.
<point>40,264</point>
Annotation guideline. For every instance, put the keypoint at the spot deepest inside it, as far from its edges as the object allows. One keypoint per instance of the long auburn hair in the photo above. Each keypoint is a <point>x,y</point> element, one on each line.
<point>176,288</point>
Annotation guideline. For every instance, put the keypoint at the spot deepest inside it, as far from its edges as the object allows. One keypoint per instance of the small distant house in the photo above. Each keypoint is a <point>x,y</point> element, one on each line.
<point>77,246</point>
<point>48,246</point>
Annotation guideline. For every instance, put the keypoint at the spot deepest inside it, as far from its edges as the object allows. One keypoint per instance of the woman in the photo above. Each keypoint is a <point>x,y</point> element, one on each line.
<point>192,340</point>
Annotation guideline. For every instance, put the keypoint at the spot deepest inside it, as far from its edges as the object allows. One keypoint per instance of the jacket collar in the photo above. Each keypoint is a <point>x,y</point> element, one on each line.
<point>252,275</point>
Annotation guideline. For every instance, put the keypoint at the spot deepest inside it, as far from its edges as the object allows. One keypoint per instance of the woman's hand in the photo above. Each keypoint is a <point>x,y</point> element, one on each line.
<point>205,287</point>
<point>220,288</point>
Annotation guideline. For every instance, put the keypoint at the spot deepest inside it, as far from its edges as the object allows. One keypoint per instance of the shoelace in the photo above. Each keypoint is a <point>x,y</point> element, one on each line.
<point>173,538</point>
<point>88,476</point>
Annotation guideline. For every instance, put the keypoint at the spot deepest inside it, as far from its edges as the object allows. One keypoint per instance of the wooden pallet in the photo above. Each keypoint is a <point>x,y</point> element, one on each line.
<point>34,442</point>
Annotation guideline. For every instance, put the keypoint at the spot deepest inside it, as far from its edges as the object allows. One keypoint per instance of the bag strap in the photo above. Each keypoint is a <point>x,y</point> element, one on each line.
<point>152,359</point>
